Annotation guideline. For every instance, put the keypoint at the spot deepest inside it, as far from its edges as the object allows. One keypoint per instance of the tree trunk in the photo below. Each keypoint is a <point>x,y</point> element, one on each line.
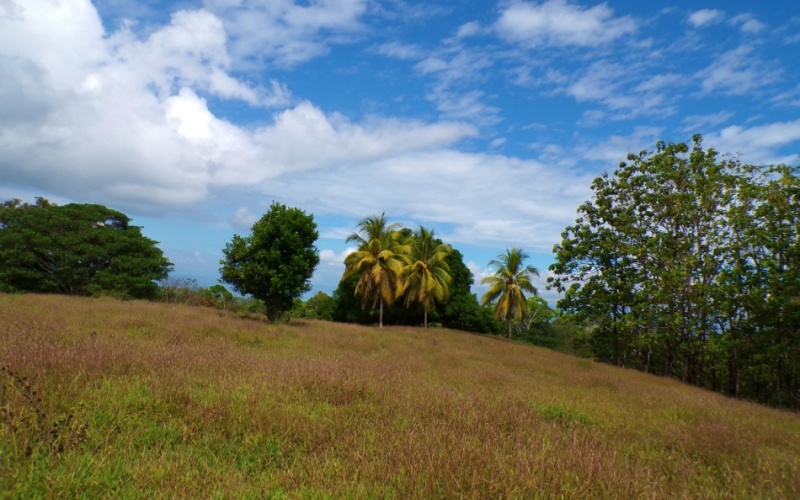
<point>509,330</point>
<point>380,322</point>
<point>425,315</point>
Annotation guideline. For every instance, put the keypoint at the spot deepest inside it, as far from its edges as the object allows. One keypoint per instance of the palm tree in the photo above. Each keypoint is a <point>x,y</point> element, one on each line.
<point>428,275</point>
<point>379,261</point>
<point>511,279</point>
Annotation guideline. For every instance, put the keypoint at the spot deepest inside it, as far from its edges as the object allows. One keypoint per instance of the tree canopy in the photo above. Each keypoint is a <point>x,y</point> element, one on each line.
<point>276,261</point>
<point>508,286</point>
<point>687,264</point>
<point>379,261</point>
<point>427,277</point>
<point>76,249</point>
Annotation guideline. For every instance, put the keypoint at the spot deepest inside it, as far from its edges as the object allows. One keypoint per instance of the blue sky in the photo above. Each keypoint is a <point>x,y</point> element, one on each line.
<point>485,120</point>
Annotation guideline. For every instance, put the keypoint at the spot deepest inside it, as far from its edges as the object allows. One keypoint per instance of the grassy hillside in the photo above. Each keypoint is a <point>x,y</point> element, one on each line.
<point>107,398</point>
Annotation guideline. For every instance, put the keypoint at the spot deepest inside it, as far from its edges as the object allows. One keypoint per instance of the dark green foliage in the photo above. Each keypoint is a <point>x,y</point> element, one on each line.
<point>688,265</point>
<point>348,306</point>
<point>536,326</point>
<point>461,309</point>
<point>76,249</point>
<point>275,263</point>
<point>320,306</point>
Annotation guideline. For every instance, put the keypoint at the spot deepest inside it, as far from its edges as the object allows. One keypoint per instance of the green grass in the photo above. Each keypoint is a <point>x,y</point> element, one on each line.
<point>100,398</point>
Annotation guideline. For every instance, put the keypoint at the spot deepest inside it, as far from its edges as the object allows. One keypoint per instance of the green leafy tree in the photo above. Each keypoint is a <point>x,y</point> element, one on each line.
<point>685,264</point>
<point>320,306</point>
<point>77,249</point>
<point>536,324</point>
<point>221,296</point>
<point>275,263</point>
<point>427,276</point>
<point>379,261</point>
<point>461,309</point>
<point>508,286</point>
<point>348,306</point>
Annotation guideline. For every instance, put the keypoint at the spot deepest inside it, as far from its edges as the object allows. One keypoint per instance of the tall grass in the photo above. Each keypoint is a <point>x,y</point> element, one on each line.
<point>106,398</point>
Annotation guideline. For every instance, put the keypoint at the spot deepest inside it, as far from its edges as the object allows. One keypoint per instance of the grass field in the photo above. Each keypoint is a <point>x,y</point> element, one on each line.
<point>100,398</point>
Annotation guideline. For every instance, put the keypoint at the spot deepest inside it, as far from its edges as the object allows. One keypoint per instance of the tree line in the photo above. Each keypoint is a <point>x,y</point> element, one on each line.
<point>686,263</point>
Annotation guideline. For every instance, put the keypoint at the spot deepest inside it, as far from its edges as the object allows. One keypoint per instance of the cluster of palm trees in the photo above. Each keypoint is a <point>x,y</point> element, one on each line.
<point>391,263</point>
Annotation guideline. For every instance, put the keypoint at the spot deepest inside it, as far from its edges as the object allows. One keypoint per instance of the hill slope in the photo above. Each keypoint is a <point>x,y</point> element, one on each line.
<point>148,399</point>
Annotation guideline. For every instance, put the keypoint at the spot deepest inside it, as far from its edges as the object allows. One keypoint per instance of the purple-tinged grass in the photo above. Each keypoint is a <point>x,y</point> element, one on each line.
<point>167,401</point>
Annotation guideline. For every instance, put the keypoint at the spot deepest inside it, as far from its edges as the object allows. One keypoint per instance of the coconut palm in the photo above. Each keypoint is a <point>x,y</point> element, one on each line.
<point>379,261</point>
<point>508,285</point>
<point>428,275</point>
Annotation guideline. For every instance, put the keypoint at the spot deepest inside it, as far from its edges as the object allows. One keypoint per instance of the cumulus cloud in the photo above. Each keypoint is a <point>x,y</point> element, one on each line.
<point>304,137</point>
<point>561,23</point>
<point>705,17</point>
<point>127,120</point>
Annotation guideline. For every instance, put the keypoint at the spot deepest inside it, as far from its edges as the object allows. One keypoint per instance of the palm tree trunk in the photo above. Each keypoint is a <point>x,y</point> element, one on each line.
<point>426,318</point>
<point>509,329</point>
<point>380,322</point>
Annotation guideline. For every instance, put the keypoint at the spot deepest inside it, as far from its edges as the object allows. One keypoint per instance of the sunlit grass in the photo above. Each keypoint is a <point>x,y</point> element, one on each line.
<point>166,401</point>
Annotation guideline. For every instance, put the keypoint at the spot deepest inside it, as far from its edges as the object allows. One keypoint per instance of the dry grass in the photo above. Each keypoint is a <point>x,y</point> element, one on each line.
<point>144,399</point>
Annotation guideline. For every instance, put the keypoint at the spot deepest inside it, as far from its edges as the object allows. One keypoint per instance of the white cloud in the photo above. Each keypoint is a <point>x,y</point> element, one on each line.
<point>559,22</point>
<point>399,50</point>
<point>465,105</point>
<point>330,268</point>
<point>610,83</point>
<point>659,82</point>
<point>304,137</point>
<point>705,17</point>
<point>599,82</point>
<point>58,41</point>
<point>469,29</point>
<point>336,259</point>
<point>243,218</point>
<point>789,97</point>
<point>748,23</point>
<point>616,148</point>
<point>284,31</point>
<point>737,72</point>
<point>451,189</point>
<point>456,70</point>
<point>696,123</point>
<point>759,144</point>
